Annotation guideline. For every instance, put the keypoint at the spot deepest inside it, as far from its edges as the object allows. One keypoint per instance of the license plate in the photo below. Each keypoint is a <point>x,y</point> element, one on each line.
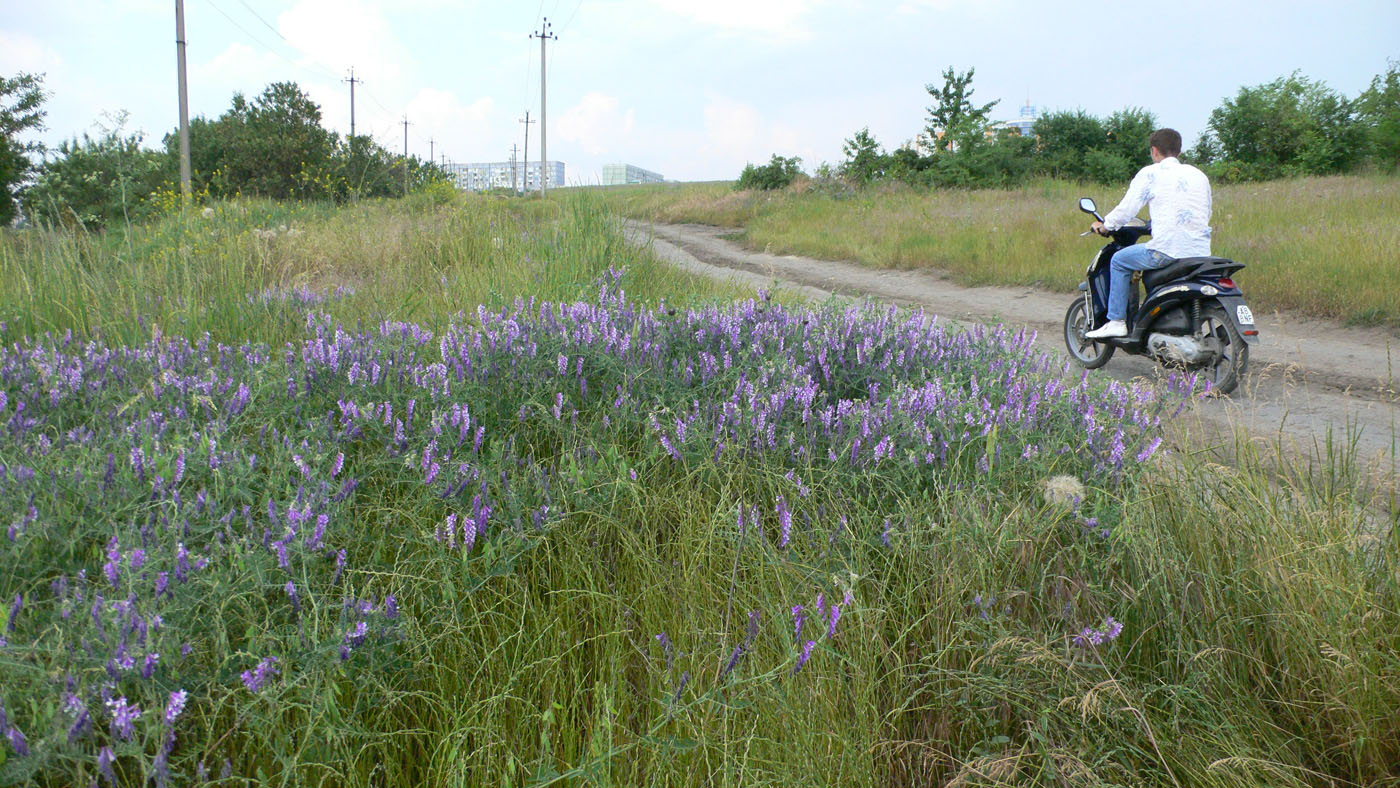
<point>1245,316</point>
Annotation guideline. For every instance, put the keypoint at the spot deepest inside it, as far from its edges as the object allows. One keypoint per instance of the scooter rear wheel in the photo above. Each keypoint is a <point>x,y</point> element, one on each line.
<point>1229,367</point>
<point>1086,352</point>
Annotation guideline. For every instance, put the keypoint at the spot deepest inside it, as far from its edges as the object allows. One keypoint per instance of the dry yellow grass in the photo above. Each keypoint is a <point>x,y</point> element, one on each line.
<point>1326,247</point>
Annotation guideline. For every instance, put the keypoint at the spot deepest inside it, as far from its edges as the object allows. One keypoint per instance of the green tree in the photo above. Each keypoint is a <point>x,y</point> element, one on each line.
<point>99,182</point>
<point>1291,126</point>
<point>865,159</point>
<point>778,173</point>
<point>1064,139</point>
<point>1379,112</point>
<point>954,116</point>
<point>21,97</point>
<point>273,145</point>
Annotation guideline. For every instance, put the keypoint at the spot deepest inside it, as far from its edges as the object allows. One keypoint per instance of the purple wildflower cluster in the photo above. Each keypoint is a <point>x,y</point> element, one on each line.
<point>1090,637</point>
<point>181,468</point>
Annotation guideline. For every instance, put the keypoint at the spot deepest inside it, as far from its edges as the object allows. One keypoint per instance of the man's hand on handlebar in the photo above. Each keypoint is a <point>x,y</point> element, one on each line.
<point>1099,228</point>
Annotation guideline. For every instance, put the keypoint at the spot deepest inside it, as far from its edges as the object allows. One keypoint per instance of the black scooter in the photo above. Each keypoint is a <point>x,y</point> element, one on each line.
<point>1193,316</point>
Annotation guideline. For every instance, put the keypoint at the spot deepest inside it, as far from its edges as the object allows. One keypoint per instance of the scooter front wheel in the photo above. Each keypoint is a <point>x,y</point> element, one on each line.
<point>1086,352</point>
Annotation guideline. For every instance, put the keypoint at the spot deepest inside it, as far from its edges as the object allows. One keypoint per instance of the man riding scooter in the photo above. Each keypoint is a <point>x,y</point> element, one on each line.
<point>1178,199</point>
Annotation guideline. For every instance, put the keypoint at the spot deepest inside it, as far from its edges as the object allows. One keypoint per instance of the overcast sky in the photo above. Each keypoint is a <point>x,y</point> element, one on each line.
<point>692,89</point>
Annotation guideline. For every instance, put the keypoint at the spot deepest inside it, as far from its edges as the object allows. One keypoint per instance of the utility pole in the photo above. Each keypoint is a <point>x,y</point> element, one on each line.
<point>184,101</point>
<point>352,82</point>
<point>544,35</point>
<point>405,155</point>
<point>430,150</point>
<point>514,150</point>
<point>525,176</point>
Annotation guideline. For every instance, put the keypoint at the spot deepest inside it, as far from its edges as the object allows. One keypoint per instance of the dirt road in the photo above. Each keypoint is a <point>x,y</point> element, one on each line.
<point>1307,377</point>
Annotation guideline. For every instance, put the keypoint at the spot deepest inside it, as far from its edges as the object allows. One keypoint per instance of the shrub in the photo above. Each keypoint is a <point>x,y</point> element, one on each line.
<point>778,173</point>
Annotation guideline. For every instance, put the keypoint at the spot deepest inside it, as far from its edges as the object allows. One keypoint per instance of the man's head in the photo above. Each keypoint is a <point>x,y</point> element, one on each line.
<point>1165,143</point>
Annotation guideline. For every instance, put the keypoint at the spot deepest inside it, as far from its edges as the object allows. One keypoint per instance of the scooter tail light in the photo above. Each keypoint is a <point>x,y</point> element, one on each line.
<point>1227,283</point>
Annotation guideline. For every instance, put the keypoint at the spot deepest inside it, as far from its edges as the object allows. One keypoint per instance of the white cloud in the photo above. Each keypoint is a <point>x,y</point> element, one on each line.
<point>21,52</point>
<point>597,124</point>
<point>782,18</point>
<point>336,35</point>
<point>460,130</point>
<point>239,68</point>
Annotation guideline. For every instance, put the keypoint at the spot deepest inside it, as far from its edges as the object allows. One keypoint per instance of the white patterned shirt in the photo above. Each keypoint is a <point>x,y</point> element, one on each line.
<point>1178,200</point>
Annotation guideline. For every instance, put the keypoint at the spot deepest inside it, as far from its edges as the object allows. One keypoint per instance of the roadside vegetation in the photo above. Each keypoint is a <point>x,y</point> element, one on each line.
<point>615,527</point>
<point>1317,246</point>
<point>467,490</point>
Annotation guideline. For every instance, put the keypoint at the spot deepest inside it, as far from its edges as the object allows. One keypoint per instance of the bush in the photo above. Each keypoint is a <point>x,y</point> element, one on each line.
<point>99,182</point>
<point>778,173</point>
<point>1291,126</point>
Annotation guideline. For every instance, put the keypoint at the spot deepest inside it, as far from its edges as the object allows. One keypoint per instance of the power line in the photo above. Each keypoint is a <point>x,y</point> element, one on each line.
<point>318,66</point>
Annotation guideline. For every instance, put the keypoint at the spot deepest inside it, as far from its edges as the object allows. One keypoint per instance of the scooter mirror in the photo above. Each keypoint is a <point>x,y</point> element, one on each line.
<point>1087,205</point>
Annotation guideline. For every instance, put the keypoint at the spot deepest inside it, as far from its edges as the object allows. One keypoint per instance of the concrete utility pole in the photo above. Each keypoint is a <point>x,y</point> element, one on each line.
<point>514,150</point>
<point>184,101</point>
<point>544,35</point>
<point>352,82</point>
<point>525,176</point>
<point>430,150</point>
<point>405,155</point>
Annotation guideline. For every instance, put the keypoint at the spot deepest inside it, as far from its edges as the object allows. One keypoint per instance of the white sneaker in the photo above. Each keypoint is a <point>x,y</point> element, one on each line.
<point>1113,328</point>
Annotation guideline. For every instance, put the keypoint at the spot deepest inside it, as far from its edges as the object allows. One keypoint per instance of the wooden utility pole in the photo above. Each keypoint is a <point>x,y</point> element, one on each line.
<point>544,35</point>
<point>184,101</point>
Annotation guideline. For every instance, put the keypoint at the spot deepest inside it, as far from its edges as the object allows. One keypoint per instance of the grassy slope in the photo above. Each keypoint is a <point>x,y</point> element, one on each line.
<point>1319,246</point>
<point>1261,643</point>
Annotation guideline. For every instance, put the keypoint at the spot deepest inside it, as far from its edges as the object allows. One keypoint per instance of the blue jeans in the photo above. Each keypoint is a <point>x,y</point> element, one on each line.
<point>1134,258</point>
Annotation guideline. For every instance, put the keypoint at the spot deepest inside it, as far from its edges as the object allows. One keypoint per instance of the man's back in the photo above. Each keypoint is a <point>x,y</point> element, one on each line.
<point>1179,200</point>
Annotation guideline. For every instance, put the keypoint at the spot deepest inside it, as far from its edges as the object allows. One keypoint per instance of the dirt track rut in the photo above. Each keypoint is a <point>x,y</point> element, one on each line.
<point>1307,377</point>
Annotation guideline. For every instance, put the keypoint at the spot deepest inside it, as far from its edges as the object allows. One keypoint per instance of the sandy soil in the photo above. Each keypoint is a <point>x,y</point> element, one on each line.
<point>1307,379</point>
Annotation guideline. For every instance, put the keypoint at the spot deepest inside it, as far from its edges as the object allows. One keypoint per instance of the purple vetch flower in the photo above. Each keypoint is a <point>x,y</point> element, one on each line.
<point>124,717</point>
<point>18,742</point>
<point>256,678</point>
<point>1146,454</point>
<point>338,465</point>
<point>391,607</point>
<point>339,566</point>
<point>14,612</point>
<point>1092,638</point>
<point>176,706</point>
<point>784,522</point>
<point>804,656</point>
<point>113,567</point>
<point>149,668</point>
<point>680,687</point>
<point>162,584</point>
<point>666,644</point>
<point>291,589</point>
<point>831,622</point>
<point>885,534</point>
<point>105,759</point>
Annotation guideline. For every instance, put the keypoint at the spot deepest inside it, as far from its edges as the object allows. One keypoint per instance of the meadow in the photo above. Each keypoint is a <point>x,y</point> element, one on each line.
<point>471,492</point>
<point>1325,247</point>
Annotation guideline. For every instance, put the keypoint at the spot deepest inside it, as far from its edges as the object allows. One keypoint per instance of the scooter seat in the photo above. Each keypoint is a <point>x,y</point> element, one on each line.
<point>1178,269</point>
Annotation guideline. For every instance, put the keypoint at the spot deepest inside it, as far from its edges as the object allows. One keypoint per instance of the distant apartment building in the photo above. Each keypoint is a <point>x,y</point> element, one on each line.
<point>481,176</point>
<point>620,174</point>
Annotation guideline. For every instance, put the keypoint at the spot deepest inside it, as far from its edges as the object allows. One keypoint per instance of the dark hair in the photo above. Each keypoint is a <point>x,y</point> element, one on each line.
<point>1168,141</point>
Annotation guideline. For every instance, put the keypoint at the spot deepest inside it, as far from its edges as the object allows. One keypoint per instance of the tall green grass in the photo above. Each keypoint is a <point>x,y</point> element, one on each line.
<point>1318,246</point>
<point>1261,611</point>
<point>231,269</point>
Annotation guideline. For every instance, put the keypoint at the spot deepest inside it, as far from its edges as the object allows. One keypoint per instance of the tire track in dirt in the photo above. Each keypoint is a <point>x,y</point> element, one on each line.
<point>1308,378</point>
